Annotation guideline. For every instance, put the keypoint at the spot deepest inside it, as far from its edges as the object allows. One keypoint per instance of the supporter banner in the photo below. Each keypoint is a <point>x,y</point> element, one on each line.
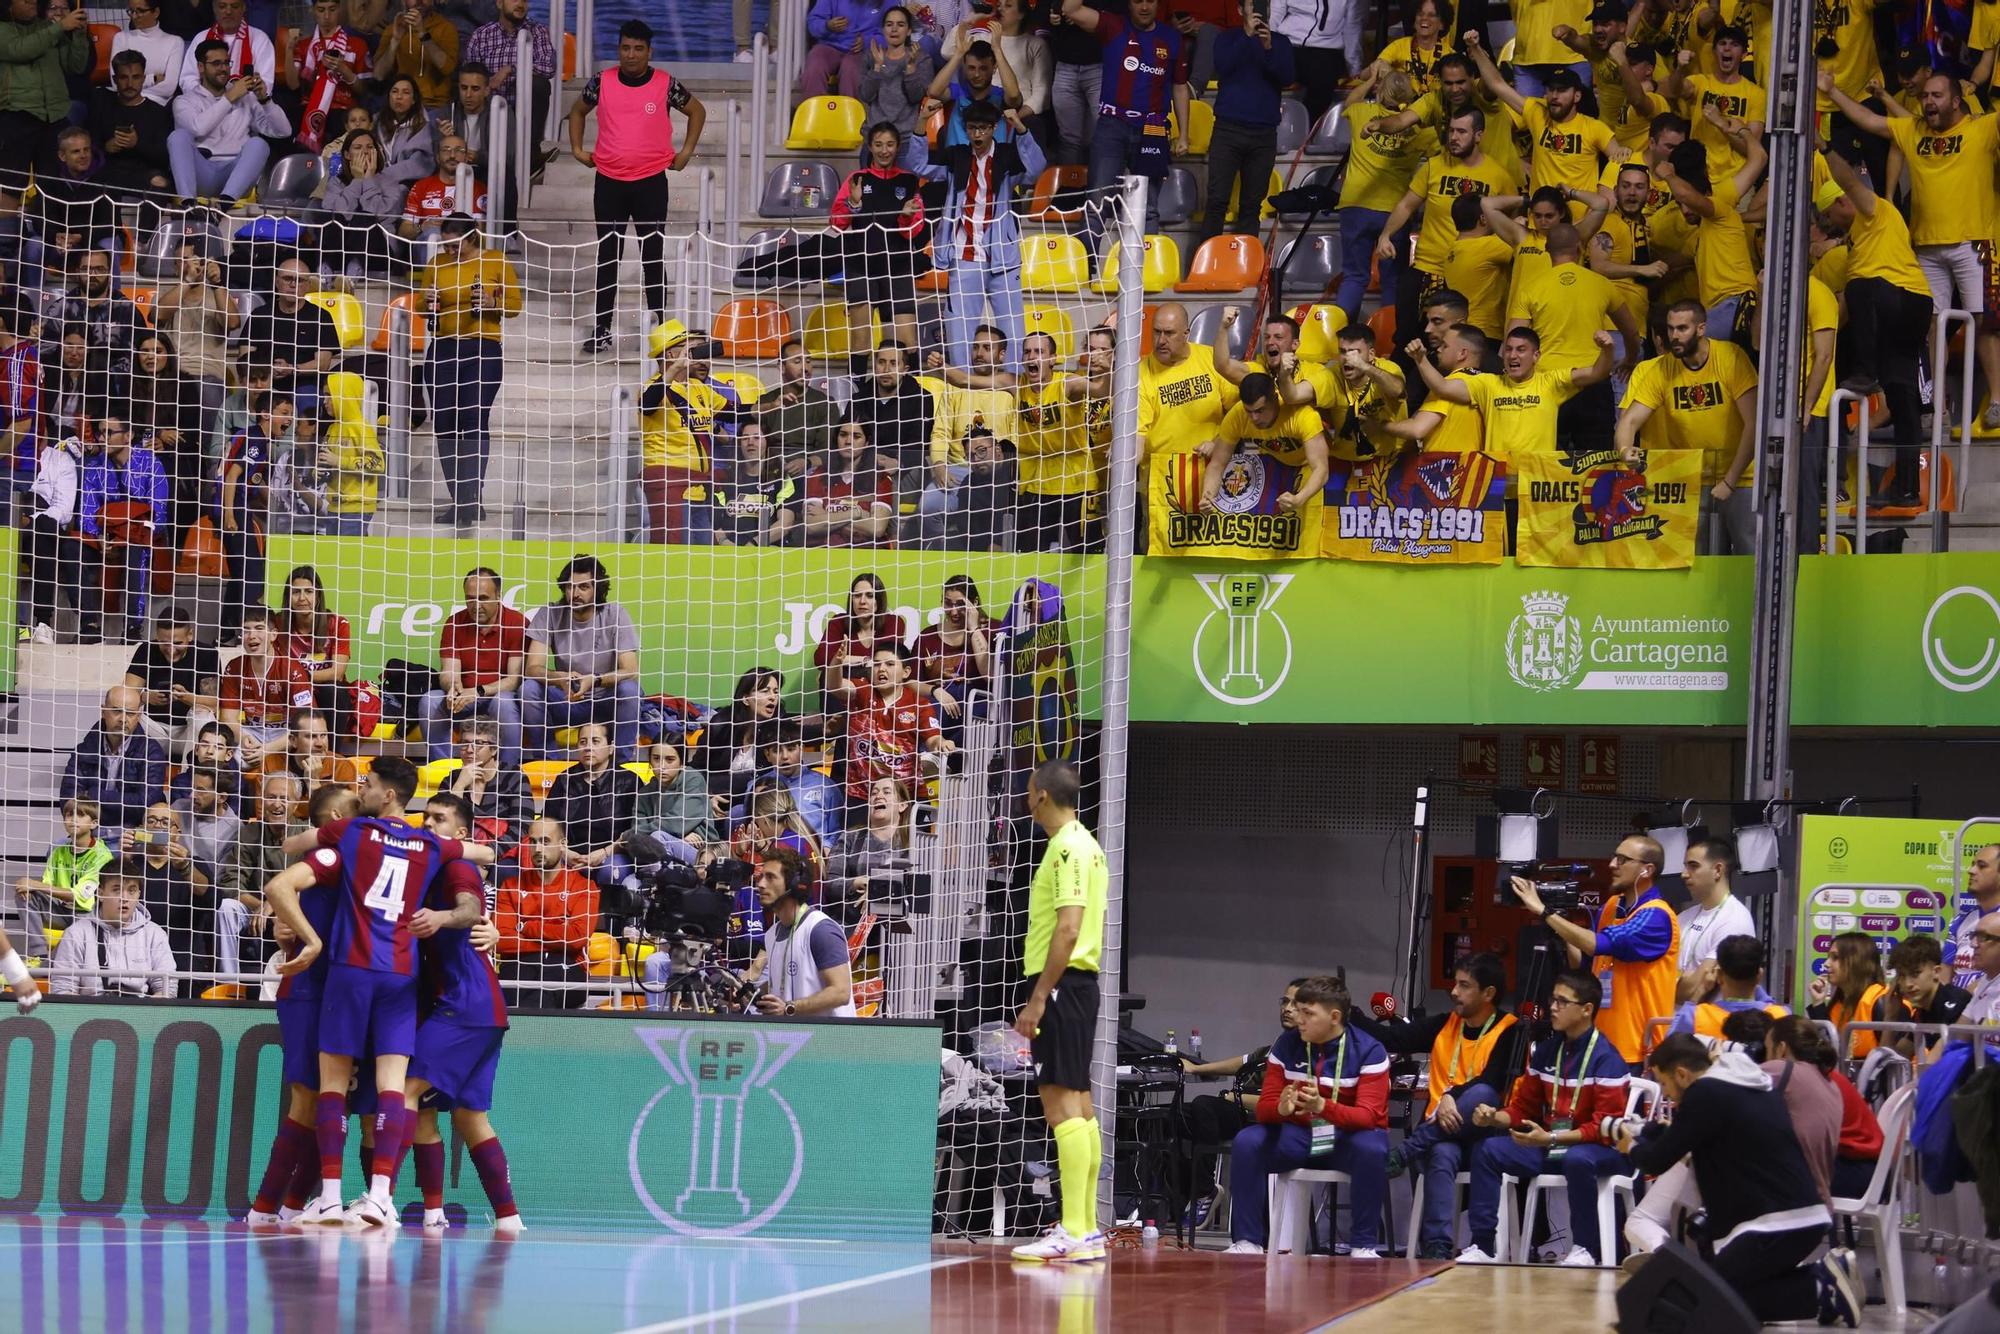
<point>1443,508</point>
<point>1596,511</point>
<point>1898,641</point>
<point>1344,642</point>
<point>1889,878</point>
<point>700,1127</point>
<point>705,615</point>
<point>1245,521</point>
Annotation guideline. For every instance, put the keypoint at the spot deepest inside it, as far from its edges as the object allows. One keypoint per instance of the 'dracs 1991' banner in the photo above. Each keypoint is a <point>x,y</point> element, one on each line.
<point>1246,520</point>
<point>1595,511</point>
<point>1428,508</point>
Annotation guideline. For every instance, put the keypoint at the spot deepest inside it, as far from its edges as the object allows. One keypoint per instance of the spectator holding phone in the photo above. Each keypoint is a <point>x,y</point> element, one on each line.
<point>219,150</point>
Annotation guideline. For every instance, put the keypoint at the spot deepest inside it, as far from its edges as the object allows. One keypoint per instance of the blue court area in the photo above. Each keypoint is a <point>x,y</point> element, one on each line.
<point>81,1276</point>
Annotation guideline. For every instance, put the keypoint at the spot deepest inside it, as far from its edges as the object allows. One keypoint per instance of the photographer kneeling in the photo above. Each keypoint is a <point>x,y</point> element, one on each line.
<point>1763,1209</point>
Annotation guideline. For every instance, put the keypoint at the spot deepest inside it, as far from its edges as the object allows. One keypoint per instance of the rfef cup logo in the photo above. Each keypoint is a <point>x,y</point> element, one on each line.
<point>1248,671</point>
<point>718,1117</point>
<point>1961,650</point>
<point>1544,643</point>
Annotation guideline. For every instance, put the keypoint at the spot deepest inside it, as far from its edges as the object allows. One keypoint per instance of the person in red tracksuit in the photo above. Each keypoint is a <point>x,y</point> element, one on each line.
<point>1325,1102</point>
<point>1575,1079</point>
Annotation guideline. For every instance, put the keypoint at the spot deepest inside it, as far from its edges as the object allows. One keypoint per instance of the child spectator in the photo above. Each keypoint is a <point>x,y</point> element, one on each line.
<point>672,811</point>
<point>894,73</point>
<point>243,506</point>
<point>69,873</point>
<point>352,454</point>
<point>260,688</point>
<point>878,216</point>
<point>816,796</point>
<point>888,729</point>
<point>119,945</point>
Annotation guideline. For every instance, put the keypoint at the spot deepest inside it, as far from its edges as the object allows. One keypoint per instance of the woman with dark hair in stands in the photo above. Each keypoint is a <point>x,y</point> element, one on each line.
<point>321,638</point>
<point>167,418</point>
<point>409,149</point>
<point>850,641</point>
<point>363,203</point>
<point>728,753</point>
<point>955,656</point>
<point>878,216</point>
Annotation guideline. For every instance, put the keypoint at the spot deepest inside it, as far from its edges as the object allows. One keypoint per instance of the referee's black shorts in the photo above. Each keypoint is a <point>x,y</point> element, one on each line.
<point>1061,1046</point>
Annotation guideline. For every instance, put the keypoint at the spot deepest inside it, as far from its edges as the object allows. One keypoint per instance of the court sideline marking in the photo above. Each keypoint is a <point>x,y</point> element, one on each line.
<point>792,1299</point>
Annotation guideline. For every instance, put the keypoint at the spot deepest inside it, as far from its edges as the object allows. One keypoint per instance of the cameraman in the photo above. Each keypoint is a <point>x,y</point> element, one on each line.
<point>1476,1050</point>
<point>1763,1209</point>
<point>1633,952</point>
<point>1575,1079</point>
<point>804,954</point>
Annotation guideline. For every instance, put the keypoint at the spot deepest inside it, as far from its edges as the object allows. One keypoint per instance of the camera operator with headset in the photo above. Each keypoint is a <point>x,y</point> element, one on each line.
<point>1763,1210</point>
<point>1634,952</point>
<point>805,954</point>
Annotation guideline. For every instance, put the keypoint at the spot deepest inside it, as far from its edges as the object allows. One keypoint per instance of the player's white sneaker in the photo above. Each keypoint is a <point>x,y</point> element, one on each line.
<point>1578,1258</point>
<point>510,1226</point>
<point>1244,1248</point>
<point>1473,1255</point>
<point>258,1218</point>
<point>434,1220</point>
<point>322,1213</point>
<point>1057,1246</point>
<point>371,1212</point>
<point>288,1215</point>
<point>1364,1253</point>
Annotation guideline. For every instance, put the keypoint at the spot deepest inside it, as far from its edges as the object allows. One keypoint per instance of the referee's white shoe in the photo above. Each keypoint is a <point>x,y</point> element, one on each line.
<point>1057,1246</point>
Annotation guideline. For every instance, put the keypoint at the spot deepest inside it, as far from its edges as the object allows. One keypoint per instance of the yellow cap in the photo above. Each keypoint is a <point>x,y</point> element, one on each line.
<point>1828,192</point>
<point>666,336</point>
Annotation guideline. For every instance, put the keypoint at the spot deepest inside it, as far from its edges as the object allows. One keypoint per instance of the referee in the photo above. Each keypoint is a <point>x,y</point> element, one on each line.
<point>1064,947</point>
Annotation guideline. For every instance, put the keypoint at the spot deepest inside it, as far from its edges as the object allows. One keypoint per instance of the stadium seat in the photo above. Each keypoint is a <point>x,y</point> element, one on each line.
<point>1053,262</point>
<point>799,190</point>
<point>763,241</point>
<point>601,958</point>
<point>826,125</point>
<point>1326,175</point>
<point>1319,332</point>
<point>432,777</point>
<point>1180,197</point>
<point>541,776</point>
<point>1312,268</point>
<point>1946,498</point>
<point>102,35</point>
<point>747,386</point>
<point>128,251</point>
<point>1333,137</point>
<point>350,324</point>
<point>1160,270</point>
<point>1201,126</point>
<point>1265,211</point>
<point>1055,322</point>
<point>1294,126</point>
<point>1052,183</point>
<point>1383,322</point>
<point>828,335</point>
<point>932,384</point>
<point>569,55</point>
<point>933,127</point>
<point>160,256</point>
<point>751,328</point>
<point>419,324</point>
<point>1202,325</point>
<point>639,769</point>
<point>142,299</point>
<point>224,991</point>
<point>292,180</point>
<point>362,764</point>
<point>1226,263</point>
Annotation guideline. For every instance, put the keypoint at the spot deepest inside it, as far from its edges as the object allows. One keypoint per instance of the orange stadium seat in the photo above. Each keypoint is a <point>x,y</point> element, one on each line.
<point>569,55</point>
<point>1945,497</point>
<point>1383,322</point>
<point>101,37</point>
<point>1055,181</point>
<point>751,327</point>
<point>541,776</point>
<point>1225,264</point>
<point>419,325</point>
<point>142,299</point>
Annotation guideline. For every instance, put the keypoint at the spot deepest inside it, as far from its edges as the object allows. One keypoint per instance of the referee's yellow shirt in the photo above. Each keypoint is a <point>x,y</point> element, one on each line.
<point>1072,875</point>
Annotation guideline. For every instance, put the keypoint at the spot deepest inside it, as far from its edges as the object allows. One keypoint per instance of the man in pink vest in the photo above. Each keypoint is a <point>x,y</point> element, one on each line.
<point>634,153</point>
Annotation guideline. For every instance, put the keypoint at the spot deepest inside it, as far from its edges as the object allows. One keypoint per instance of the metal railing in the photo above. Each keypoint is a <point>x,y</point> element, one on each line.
<point>495,224</point>
<point>732,189</point>
<point>586,39</point>
<point>402,378</point>
<point>556,95</point>
<point>524,142</point>
<point>1940,341</point>
<point>1836,429</point>
<point>788,17</point>
<point>760,108</point>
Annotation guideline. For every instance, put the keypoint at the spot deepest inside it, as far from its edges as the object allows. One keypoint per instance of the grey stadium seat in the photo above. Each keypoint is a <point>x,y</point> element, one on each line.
<point>1294,126</point>
<point>799,190</point>
<point>1180,197</point>
<point>1201,330</point>
<point>1309,263</point>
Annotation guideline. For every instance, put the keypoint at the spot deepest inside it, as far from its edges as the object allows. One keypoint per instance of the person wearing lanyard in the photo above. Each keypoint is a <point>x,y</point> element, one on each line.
<point>1634,950</point>
<point>1713,917</point>
<point>1325,1102</point>
<point>1476,1048</point>
<point>1575,1079</point>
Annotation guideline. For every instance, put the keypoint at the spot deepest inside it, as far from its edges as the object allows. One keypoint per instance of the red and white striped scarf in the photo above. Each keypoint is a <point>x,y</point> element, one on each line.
<point>312,64</point>
<point>242,57</point>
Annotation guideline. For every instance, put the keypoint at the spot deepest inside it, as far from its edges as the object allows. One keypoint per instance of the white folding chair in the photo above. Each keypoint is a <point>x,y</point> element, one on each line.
<point>1460,1184</point>
<point>1642,1093</point>
<point>1291,1206</point>
<point>1878,1207</point>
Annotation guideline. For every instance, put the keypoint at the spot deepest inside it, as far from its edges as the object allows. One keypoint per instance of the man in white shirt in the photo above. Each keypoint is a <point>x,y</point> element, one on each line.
<point>216,150</point>
<point>1984,1008</point>
<point>1713,917</point>
<point>163,51</point>
<point>250,51</point>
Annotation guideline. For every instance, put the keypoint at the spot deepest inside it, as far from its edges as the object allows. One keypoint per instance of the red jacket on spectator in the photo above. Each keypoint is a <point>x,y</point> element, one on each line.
<point>266,700</point>
<point>1576,1080</point>
<point>1860,1132</point>
<point>1361,1077</point>
<point>886,739</point>
<point>540,913</point>
<point>482,651</point>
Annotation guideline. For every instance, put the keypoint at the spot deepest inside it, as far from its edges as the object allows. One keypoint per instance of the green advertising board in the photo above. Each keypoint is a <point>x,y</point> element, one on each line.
<point>695,1126</point>
<point>705,615</point>
<point>1898,641</point>
<point>1888,877</point>
<point>1342,642</point>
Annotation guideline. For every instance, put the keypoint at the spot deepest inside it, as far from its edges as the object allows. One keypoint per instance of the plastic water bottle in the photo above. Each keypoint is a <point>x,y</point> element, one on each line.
<point>1194,1045</point>
<point>1173,1047</point>
<point>1150,1234</point>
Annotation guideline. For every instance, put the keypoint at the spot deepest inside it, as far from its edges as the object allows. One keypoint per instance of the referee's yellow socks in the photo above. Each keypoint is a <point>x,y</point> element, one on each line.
<point>1079,1154</point>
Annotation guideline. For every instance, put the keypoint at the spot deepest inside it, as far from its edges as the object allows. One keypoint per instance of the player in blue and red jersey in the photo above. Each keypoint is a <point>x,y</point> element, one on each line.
<point>458,1042</point>
<point>381,870</point>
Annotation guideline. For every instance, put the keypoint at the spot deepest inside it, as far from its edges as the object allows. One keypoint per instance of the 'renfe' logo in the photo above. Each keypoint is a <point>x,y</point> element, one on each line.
<point>718,1152</point>
<point>1544,643</point>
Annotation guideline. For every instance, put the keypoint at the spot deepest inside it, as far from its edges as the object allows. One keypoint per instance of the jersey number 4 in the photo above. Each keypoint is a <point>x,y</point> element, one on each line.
<point>391,884</point>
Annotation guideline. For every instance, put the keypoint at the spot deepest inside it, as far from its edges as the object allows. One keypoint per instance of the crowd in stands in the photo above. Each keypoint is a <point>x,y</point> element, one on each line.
<point>203,764</point>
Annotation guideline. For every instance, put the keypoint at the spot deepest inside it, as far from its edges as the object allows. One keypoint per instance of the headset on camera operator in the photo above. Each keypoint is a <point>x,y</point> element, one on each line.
<point>1763,1211</point>
<point>1576,1080</point>
<point>1476,1050</point>
<point>1634,952</point>
<point>805,954</point>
